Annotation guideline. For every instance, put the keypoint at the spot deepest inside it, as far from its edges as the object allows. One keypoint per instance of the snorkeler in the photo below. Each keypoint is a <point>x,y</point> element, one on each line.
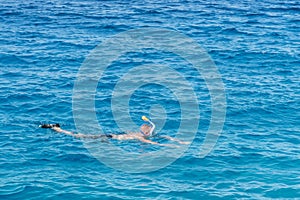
<point>146,131</point>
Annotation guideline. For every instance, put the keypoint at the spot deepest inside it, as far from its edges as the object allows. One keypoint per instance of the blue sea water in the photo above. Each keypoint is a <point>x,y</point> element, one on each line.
<point>256,48</point>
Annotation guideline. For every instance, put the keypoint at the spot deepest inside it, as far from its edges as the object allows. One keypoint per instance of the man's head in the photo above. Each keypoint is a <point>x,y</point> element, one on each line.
<point>146,129</point>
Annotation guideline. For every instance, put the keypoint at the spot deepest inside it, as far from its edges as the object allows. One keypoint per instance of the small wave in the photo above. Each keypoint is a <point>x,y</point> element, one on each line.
<point>70,157</point>
<point>283,191</point>
<point>9,190</point>
<point>12,60</point>
<point>231,31</point>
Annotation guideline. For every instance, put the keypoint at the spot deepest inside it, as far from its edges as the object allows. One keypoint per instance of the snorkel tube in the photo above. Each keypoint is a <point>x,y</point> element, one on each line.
<point>152,124</point>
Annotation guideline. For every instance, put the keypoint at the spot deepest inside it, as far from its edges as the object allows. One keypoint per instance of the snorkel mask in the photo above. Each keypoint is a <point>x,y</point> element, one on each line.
<point>152,127</point>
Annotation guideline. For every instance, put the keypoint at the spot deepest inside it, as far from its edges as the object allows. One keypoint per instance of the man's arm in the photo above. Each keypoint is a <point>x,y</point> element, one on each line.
<point>148,141</point>
<point>156,143</point>
<point>174,139</point>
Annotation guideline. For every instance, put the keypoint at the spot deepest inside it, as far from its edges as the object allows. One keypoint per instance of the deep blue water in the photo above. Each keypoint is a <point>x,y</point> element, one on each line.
<point>256,48</point>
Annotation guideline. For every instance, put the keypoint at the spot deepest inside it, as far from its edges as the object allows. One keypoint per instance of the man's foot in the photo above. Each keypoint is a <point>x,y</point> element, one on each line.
<point>49,125</point>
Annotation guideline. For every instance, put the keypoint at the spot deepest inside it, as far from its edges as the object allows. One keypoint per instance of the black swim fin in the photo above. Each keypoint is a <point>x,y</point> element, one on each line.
<point>49,125</point>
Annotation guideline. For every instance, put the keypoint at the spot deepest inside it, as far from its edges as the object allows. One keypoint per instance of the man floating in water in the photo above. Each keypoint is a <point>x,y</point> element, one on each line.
<point>146,131</point>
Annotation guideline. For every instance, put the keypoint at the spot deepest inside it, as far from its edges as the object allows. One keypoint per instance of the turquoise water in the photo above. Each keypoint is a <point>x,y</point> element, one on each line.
<point>255,45</point>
